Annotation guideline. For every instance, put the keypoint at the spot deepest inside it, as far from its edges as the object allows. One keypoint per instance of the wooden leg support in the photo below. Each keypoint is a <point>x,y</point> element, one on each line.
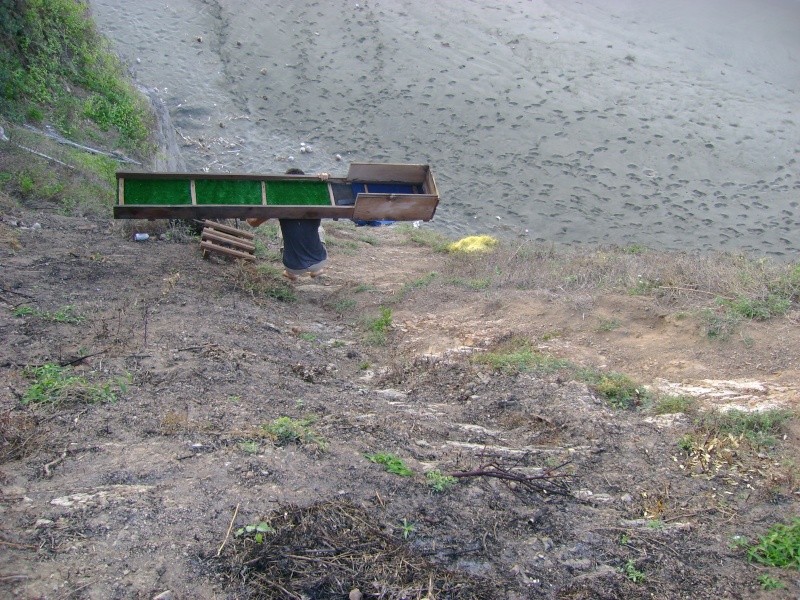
<point>227,240</point>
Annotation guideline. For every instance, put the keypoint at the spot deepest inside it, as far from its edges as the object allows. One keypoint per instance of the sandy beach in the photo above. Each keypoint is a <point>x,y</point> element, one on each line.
<point>671,125</point>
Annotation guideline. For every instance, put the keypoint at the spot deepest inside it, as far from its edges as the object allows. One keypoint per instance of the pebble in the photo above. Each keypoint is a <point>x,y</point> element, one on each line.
<point>165,595</point>
<point>355,594</point>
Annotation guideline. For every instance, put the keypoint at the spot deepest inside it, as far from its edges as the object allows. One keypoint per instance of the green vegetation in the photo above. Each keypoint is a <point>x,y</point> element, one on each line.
<point>608,325</point>
<point>758,427</point>
<point>53,384</point>
<point>768,582</point>
<point>255,531</point>
<point>779,547</point>
<point>631,572</point>
<point>670,405</point>
<point>420,283</point>
<point>618,389</point>
<point>249,447</point>
<point>392,463</point>
<point>440,482</point>
<point>262,281</point>
<point>54,65</point>
<point>477,284</point>
<point>286,430</point>
<point>407,528</point>
<point>517,355</point>
<point>378,327</point>
<point>426,237</point>
<point>66,314</point>
<point>344,306</point>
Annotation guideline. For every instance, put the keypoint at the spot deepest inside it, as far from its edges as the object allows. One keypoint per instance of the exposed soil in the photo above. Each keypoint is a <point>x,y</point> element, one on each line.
<point>135,497</point>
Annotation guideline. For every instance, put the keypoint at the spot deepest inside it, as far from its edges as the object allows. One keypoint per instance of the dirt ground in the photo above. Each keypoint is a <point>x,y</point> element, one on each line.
<point>142,496</point>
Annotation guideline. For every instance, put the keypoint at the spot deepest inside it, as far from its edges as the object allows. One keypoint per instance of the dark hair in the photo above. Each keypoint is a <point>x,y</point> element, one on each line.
<point>294,171</point>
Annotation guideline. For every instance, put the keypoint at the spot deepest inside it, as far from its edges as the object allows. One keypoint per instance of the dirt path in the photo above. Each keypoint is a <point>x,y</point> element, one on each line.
<point>134,497</point>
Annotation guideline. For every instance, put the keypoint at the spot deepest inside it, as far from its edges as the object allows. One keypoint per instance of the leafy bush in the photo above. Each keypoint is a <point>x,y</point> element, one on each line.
<point>779,547</point>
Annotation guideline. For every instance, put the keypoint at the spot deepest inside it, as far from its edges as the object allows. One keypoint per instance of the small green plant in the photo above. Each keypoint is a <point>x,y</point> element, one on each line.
<point>670,405</point>
<point>308,336</point>
<point>255,531</point>
<point>739,542</point>
<point>720,323</point>
<point>779,547</point>
<point>768,582</point>
<point>415,285</point>
<point>631,572</point>
<point>249,447</point>
<point>344,306</point>
<point>618,389</point>
<point>53,384</point>
<point>643,286</point>
<point>518,355</point>
<point>634,249</point>
<point>407,528</point>
<point>378,327</point>
<point>687,442</point>
<point>440,482</point>
<point>393,464</point>
<point>285,430</point>
<point>608,325</point>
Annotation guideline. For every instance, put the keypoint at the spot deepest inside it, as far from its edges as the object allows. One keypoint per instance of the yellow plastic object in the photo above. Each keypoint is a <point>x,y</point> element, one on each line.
<point>473,243</point>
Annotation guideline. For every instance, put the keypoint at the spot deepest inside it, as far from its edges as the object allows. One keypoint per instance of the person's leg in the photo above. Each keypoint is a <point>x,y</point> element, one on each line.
<point>314,271</point>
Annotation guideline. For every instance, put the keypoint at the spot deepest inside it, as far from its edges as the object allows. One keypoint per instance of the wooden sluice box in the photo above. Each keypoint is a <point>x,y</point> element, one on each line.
<point>370,192</point>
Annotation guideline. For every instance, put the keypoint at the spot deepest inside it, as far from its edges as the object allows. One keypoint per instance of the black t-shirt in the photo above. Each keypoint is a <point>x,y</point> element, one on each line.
<point>302,247</point>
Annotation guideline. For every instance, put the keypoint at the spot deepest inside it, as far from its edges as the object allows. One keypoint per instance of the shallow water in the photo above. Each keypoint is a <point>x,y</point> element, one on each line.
<point>671,125</point>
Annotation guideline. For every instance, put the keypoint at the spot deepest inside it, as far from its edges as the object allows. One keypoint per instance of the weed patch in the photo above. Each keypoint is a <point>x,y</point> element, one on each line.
<point>760,428</point>
<point>262,282</point>
<point>66,314</point>
<point>440,482</point>
<point>670,405</point>
<point>53,384</point>
<point>378,327</point>
<point>286,430</point>
<point>779,547</point>
<point>393,464</point>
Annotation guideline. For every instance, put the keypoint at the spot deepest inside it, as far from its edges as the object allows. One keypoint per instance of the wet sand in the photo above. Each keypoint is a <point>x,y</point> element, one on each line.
<point>672,125</point>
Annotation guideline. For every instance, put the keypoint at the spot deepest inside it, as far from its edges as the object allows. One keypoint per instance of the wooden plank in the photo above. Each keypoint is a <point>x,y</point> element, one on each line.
<point>210,211</point>
<point>228,229</point>
<point>387,173</point>
<point>395,207</point>
<point>227,239</point>
<point>193,192</point>
<point>121,192</point>
<point>216,176</point>
<point>209,246</point>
